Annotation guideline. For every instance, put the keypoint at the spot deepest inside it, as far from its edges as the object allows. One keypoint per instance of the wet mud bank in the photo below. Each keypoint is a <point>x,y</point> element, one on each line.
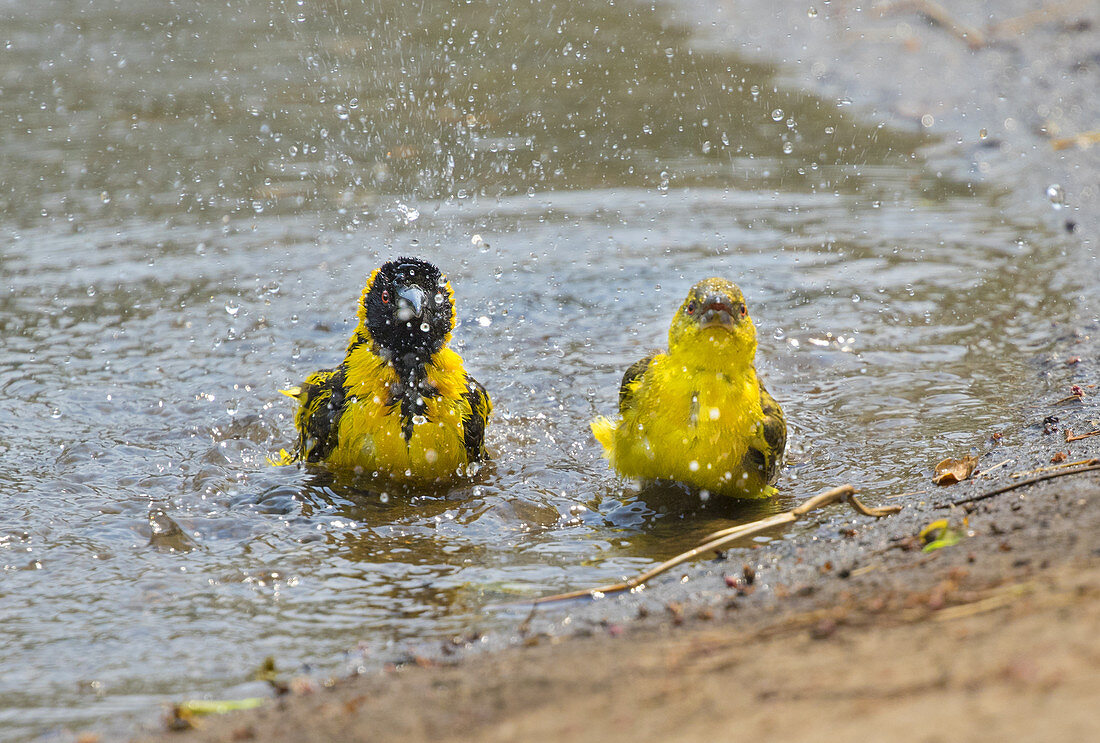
<point>856,633</point>
<point>854,626</point>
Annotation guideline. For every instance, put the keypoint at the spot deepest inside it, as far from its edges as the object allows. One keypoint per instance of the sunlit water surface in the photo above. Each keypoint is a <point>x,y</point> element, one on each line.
<point>191,200</point>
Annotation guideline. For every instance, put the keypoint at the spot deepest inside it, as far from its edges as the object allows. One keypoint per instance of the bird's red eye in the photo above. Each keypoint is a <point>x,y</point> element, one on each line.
<point>744,310</point>
<point>385,297</point>
<point>691,307</point>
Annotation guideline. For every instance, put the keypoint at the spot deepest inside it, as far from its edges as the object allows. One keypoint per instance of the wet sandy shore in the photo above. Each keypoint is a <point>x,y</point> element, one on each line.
<point>990,638</point>
<point>1017,660</point>
<point>857,631</point>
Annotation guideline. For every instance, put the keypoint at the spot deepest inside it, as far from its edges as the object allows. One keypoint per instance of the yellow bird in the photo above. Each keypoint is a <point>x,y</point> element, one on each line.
<point>698,414</point>
<point>401,403</point>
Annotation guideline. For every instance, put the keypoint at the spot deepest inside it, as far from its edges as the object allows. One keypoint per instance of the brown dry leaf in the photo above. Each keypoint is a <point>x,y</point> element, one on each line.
<point>1059,457</point>
<point>951,471</point>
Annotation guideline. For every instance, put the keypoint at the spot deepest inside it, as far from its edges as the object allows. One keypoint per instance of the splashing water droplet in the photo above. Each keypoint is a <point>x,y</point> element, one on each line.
<point>663,185</point>
<point>777,114</point>
<point>232,308</point>
<point>407,213</point>
<point>811,12</point>
<point>1057,195</point>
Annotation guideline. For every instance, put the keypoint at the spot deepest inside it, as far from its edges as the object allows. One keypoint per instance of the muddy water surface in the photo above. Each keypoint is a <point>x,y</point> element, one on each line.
<point>191,199</point>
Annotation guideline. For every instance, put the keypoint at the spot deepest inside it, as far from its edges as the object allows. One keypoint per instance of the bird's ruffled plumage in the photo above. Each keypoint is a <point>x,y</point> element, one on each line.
<point>698,413</point>
<point>401,404</point>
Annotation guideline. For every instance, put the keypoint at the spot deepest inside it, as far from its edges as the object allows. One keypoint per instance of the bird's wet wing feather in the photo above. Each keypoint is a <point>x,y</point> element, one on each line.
<point>633,373</point>
<point>473,424</point>
<point>318,420</point>
<point>773,429</point>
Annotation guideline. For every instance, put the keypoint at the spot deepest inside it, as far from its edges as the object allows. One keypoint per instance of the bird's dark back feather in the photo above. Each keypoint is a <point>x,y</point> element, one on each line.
<point>318,419</point>
<point>774,431</point>
<point>473,425</point>
<point>633,373</point>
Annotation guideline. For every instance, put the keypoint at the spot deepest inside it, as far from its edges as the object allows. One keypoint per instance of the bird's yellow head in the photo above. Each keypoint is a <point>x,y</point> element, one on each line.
<point>713,325</point>
<point>407,309</point>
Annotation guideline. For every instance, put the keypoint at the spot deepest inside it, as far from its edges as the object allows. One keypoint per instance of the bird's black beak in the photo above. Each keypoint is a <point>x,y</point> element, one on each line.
<point>718,310</point>
<point>410,302</point>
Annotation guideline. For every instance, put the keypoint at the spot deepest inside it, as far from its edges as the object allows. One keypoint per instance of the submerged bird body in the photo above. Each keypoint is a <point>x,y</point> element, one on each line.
<point>401,403</point>
<point>698,414</point>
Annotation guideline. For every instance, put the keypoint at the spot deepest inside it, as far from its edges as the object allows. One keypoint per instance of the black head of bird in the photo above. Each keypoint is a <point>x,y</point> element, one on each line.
<point>408,310</point>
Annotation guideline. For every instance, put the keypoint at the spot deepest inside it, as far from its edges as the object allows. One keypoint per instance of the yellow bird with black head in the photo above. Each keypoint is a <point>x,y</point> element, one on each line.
<point>401,404</point>
<point>698,414</point>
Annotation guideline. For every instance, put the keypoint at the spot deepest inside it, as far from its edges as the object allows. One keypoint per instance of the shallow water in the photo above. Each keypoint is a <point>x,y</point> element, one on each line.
<point>190,202</point>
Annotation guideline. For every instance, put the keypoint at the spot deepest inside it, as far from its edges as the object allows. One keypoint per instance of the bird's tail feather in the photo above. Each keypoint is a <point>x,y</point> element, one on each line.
<point>281,459</point>
<point>604,431</point>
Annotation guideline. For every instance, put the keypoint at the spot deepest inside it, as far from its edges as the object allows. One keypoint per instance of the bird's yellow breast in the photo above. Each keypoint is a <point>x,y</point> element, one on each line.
<point>370,433</point>
<point>691,425</point>
<point>698,414</point>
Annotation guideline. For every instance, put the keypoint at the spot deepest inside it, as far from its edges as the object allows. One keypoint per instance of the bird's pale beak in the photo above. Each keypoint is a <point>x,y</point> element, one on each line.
<point>719,311</point>
<point>410,302</point>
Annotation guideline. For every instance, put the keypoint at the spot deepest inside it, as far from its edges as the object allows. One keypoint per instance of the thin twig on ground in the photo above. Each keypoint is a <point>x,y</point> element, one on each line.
<point>719,539</point>
<point>1023,483</point>
<point>1066,465</point>
<point>1071,398</point>
<point>990,468</point>
<point>999,599</point>
<point>1071,437</point>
